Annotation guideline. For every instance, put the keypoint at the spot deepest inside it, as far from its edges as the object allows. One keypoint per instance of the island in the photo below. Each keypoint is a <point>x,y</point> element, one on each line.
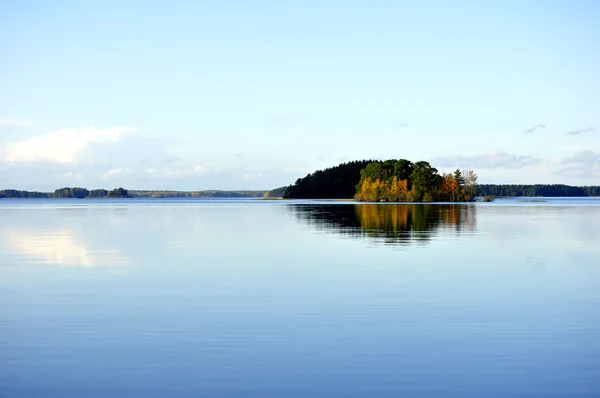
<point>394,180</point>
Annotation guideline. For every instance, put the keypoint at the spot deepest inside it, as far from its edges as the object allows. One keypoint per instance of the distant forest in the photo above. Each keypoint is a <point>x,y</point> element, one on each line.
<point>555,190</point>
<point>67,192</point>
<point>198,194</point>
<point>81,193</point>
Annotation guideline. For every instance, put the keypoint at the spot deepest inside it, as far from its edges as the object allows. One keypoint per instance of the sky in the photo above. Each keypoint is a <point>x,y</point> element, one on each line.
<point>192,95</point>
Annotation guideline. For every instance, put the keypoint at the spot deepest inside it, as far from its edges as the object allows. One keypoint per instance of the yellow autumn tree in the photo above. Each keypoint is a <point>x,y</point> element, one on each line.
<point>397,190</point>
<point>371,191</point>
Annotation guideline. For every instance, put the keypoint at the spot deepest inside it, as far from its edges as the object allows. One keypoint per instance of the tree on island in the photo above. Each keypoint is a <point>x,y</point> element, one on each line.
<point>404,181</point>
<point>336,182</point>
<point>74,192</point>
<point>118,193</point>
<point>98,193</point>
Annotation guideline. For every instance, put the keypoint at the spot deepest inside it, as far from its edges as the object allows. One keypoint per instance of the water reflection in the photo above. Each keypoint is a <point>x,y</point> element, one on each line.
<point>400,224</point>
<point>61,247</point>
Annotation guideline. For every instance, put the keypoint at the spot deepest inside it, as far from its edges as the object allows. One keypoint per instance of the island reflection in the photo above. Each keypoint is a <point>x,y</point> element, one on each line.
<point>392,224</point>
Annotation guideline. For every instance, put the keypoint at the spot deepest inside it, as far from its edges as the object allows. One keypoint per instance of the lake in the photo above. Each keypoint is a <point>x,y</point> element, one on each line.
<point>253,298</point>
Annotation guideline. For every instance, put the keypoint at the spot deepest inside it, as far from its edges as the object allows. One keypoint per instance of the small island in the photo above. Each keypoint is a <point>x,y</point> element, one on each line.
<point>395,180</point>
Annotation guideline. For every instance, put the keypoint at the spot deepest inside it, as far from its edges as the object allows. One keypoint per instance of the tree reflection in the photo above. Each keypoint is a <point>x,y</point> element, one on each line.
<point>389,223</point>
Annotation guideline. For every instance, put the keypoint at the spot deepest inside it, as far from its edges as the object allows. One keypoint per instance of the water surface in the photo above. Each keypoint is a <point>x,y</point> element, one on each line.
<point>232,298</point>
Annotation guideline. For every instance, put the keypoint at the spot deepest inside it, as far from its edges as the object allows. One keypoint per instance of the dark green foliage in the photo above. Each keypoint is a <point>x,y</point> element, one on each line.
<point>336,182</point>
<point>459,177</point>
<point>385,171</point>
<point>118,193</point>
<point>425,179</point>
<point>403,169</point>
<point>75,192</point>
<point>591,190</point>
<point>555,190</point>
<point>14,193</point>
<point>98,193</point>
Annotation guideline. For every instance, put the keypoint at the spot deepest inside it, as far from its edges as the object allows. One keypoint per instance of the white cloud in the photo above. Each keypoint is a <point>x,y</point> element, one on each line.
<point>72,175</point>
<point>65,146</point>
<point>585,164</point>
<point>185,172</point>
<point>252,176</point>
<point>489,160</point>
<point>112,173</point>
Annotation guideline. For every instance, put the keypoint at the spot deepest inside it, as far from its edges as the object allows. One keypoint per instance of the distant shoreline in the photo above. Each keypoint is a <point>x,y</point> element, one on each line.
<point>497,191</point>
<point>83,193</point>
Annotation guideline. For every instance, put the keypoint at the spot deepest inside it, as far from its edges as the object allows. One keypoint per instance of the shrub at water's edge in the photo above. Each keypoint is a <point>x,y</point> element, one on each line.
<point>276,193</point>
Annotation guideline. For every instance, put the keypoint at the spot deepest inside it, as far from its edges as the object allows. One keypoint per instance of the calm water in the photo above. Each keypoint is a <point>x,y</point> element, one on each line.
<point>236,298</point>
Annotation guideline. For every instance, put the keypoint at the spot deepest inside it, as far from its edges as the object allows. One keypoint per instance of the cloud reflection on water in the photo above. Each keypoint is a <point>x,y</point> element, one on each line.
<point>61,247</point>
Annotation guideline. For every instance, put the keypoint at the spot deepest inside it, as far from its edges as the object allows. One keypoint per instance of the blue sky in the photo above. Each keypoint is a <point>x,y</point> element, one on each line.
<point>197,95</point>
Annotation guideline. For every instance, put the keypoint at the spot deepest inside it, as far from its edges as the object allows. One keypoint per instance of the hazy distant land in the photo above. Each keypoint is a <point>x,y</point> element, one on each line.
<point>83,193</point>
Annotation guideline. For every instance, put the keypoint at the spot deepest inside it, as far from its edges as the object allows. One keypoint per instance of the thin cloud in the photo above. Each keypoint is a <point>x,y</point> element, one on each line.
<point>72,175</point>
<point>496,159</point>
<point>287,120</point>
<point>581,131</point>
<point>65,146</point>
<point>10,126</point>
<point>535,128</point>
<point>189,172</point>
<point>113,172</point>
<point>584,164</point>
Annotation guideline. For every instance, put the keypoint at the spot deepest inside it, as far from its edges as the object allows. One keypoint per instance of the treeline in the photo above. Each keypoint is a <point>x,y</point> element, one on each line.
<point>197,194</point>
<point>336,182</point>
<point>67,192</point>
<point>81,193</point>
<point>554,190</point>
<point>17,194</point>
